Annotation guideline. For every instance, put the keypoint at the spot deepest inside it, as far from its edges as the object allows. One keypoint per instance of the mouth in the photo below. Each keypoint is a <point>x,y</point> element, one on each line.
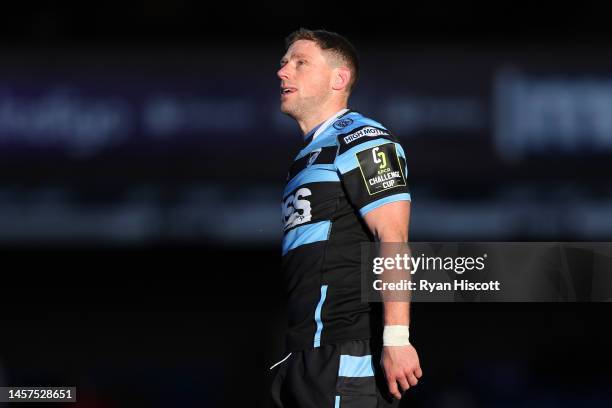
<point>288,90</point>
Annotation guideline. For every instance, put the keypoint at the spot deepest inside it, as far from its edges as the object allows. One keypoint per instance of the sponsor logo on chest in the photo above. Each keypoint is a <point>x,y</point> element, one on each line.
<point>296,208</point>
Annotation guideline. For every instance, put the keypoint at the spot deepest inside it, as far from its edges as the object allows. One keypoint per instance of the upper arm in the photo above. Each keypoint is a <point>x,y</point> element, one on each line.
<point>390,222</point>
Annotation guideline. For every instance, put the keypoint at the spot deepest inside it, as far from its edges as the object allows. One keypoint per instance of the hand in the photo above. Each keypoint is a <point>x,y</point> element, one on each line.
<point>401,365</point>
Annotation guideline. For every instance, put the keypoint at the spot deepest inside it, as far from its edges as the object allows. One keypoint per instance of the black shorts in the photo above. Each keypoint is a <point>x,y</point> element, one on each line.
<point>346,375</point>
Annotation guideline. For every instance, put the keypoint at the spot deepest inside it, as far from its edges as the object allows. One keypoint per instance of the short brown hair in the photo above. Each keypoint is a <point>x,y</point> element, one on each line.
<point>330,41</point>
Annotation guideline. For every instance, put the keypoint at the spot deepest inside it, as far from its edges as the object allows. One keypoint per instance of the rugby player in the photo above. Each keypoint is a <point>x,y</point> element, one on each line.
<point>347,185</point>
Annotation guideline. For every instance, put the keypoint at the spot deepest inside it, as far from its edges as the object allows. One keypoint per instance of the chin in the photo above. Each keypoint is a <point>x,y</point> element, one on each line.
<point>286,109</point>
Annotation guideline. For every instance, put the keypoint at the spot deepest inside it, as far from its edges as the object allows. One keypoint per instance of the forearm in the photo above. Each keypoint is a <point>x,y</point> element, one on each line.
<point>389,224</point>
<point>397,311</point>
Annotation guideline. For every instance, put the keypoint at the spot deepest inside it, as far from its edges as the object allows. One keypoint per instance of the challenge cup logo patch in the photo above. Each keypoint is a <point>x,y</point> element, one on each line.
<point>381,168</point>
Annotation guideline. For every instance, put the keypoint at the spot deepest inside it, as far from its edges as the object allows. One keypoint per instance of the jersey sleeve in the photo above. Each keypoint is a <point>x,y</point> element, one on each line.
<point>372,167</point>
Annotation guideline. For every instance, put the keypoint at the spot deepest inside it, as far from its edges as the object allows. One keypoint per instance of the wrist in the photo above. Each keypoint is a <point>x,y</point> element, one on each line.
<point>396,335</point>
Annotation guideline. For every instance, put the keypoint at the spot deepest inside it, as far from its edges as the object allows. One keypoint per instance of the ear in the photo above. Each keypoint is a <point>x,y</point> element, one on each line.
<point>341,78</point>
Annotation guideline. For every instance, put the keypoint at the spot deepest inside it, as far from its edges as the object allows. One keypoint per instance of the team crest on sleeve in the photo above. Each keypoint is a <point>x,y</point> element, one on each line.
<point>381,169</point>
<point>342,123</point>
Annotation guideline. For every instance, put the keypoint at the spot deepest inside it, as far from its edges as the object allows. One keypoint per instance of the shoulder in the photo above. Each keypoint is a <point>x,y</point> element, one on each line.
<point>355,129</point>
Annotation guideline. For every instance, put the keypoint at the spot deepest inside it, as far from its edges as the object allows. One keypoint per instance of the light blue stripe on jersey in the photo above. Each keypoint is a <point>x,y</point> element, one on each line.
<point>389,199</point>
<point>354,366</point>
<point>319,143</point>
<point>317,336</point>
<point>306,234</point>
<point>313,174</point>
<point>347,161</point>
<point>337,404</point>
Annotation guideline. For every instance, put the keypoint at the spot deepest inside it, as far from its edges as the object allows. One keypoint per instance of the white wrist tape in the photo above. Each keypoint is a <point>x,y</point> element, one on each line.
<point>395,336</point>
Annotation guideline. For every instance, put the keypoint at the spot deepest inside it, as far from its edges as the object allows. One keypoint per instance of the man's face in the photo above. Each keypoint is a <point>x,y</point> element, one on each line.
<point>305,78</point>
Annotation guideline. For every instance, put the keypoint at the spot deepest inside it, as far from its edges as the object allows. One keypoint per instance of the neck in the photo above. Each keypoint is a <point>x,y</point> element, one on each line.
<point>308,122</point>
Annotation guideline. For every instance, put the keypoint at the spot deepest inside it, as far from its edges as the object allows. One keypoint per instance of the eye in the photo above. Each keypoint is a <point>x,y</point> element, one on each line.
<point>301,62</point>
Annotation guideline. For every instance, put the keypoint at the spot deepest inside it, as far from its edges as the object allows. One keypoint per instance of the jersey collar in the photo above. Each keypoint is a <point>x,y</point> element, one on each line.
<point>321,128</point>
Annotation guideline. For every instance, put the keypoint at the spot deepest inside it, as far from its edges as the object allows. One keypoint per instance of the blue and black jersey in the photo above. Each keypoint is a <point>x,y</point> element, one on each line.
<point>347,167</point>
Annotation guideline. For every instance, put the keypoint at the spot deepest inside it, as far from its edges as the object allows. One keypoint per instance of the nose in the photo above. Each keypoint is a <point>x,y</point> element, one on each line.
<point>282,72</point>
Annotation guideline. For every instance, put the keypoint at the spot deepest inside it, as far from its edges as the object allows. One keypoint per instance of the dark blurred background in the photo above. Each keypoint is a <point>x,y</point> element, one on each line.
<point>143,155</point>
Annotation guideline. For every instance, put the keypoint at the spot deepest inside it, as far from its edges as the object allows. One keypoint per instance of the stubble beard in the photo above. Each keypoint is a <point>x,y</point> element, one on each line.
<point>300,109</point>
